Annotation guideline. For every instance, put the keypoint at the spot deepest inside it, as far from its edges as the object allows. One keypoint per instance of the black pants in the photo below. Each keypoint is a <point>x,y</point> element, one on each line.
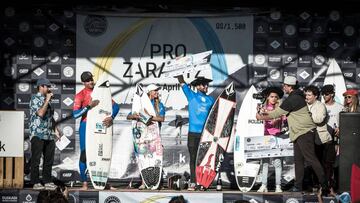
<point>304,150</point>
<point>193,145</point>
<point>326,155</point>
<point>47,149</point>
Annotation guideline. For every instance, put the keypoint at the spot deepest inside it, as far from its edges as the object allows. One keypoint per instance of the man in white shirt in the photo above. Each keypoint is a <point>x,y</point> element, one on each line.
<point>333,109</point>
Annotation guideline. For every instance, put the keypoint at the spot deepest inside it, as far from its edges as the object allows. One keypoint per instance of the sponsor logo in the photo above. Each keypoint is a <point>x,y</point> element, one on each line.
<point>105,159</point>
<point>348,75</point>
<point>24,87</point>
<point>56,116</point>
<point>305,45</point>
<point>290,30</point>
<point>23,70</point>
<point>68,71</point>
<point>66,175</point>
<point>259,59</point>
<point>349,30</point>
<point>39,42</point>
<point>276,15</point>
<point>28,199</point>
<point>319,60</point>
<point>68,101</point>
<point>93,163</point>
<point>68,131</point>
<point>334,15</point>
<point>274,74</point>
<point>292,200</point>
<point>275,44</point>
<point>24,26</point>
<point>112,199</point>
<point>95,25</point>
<point>6,198</point>
<point>100,150</point>
<point>54,57</point>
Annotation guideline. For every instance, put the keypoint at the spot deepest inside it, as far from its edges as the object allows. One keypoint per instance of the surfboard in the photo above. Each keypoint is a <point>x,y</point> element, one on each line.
<point>147,140</point>
<point>99,137</point>
<point>186,64</point>
<point>215,137</point>
<point>334,76</point>
<point>246,127</point>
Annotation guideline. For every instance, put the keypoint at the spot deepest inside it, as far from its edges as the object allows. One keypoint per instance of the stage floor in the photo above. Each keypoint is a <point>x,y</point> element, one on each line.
<point>28,195</point>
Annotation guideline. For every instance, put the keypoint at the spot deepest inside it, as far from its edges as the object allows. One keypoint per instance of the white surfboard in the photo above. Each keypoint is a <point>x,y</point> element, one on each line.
<point>98,136</point>
<point>187,64</point>
<point>247,126</point>
<point>334,76</point>
<point>147,141</point>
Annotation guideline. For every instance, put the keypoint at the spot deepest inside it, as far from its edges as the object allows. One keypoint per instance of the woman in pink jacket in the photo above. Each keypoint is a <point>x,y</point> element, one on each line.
<point>272,127</point>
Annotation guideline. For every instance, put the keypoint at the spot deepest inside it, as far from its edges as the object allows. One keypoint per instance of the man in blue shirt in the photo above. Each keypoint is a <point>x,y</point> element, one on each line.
<point>41,135</point>
<point>199,107</point>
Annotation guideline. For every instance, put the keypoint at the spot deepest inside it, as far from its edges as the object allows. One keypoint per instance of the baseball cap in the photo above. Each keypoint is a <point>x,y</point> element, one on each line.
<point>290,80</point>
<point>152,87</point>
<point>351,92</point>
<point>86,76</point>
<point>43,81</point>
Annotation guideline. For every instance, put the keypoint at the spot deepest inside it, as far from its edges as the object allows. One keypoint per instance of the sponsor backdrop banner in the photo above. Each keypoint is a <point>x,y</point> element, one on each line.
<point>250,50</point>
<point>144,197</point>
<point>133,50</point>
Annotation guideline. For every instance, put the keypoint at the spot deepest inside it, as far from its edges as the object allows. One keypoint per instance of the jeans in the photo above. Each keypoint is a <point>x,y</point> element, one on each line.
<point>278,170</point>
<point>47,149</point>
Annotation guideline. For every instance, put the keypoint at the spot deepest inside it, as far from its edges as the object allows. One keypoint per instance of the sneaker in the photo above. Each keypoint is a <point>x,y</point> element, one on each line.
<point>263,188</point>
<point>192,187</point>
<point>38,186</point>
<point>142,187</point>
<point>50,186</point>
<point>278,188</point>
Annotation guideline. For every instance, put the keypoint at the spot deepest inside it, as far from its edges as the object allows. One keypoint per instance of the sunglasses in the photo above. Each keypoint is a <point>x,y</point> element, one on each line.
<point>326,94</point>
<point>348,97</point>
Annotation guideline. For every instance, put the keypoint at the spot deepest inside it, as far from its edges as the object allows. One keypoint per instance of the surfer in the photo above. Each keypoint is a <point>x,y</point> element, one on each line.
<point>302,132</point>
<point>41,135</point>
<point>82,104</point>
<point>272,127</point>
<point>152,91</point>
<point>199,107</point>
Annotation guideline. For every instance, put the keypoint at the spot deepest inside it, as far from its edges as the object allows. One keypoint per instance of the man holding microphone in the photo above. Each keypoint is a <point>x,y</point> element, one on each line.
<point>42,126</point>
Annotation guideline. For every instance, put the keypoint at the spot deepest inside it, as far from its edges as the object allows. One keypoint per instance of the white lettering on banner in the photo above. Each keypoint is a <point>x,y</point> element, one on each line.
<point>11,136</point>
<point>182,158</point>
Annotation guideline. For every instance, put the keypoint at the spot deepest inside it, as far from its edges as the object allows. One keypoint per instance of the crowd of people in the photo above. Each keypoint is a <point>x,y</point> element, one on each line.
<point>313,127</point>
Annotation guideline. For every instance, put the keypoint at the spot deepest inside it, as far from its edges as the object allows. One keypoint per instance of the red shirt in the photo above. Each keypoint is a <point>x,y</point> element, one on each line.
<point>82,99</point>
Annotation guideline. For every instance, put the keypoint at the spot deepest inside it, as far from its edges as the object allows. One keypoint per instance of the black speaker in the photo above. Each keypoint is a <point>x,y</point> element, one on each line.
<point>349,147</point>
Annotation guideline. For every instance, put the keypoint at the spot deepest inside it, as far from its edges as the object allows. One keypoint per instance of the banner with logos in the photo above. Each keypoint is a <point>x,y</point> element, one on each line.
<point>132,50</point>
<point>159,197</point>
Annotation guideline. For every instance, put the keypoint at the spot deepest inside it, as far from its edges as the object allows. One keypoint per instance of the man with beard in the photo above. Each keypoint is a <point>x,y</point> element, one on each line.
<point>199,107</point>
<point>82,104</point>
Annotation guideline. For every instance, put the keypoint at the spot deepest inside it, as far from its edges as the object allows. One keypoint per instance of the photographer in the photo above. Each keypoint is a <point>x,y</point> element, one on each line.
<point>41,135</point>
